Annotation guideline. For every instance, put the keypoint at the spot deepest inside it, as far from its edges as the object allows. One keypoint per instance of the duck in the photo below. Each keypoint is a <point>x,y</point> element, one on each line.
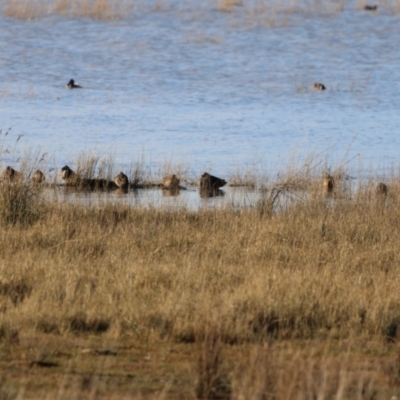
<point>319,86</point>
<point>370,8</point>
<point>38,177</point>
<point>328,183</point>
<point>211,183</point>
<point>170,182</point>
<point>72,85</point>
<point>381,189</point>
<point>10,174</point>
<point>121,180</point>
<point>73,179</point>
<point>67,174</point>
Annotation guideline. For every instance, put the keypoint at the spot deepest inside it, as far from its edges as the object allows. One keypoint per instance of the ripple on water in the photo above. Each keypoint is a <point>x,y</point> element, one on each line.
<point>205,89</point>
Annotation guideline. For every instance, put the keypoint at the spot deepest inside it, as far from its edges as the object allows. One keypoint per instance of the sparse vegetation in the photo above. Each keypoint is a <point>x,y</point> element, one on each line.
<point>19,203</point>
<point>258,12</point>
<point>96,9</point>
<point>247,297</point>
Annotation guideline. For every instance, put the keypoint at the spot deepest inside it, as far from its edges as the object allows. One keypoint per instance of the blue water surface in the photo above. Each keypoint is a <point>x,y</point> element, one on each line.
<point>206,88</point>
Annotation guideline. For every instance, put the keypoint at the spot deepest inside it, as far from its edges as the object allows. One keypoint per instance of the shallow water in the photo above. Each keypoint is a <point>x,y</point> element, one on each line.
<point>190,199</point>
<point>217,91</point>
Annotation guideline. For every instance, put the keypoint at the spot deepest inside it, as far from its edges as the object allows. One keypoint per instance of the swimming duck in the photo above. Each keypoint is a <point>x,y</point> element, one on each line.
<point>122,181</point>
<point>10,174</point>
<point>38,177</point>
<point>210,182</point>
<point>370,8</point>
<point>72,85</point>
<point>67,174</point>
<point>319,86</point>
<point>171,182</point>
<point>73,179</point>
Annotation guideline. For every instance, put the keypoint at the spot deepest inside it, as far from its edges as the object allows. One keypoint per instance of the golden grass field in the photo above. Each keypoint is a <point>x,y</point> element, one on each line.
<point>282,300</point>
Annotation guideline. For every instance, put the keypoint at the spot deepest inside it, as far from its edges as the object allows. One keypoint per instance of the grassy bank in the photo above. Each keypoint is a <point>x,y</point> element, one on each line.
<point>227,297</point>
<point>316,269</point>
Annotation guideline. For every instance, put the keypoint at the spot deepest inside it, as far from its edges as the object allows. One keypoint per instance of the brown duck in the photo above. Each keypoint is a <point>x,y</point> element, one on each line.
<point>382,189</point>
<point>170,182</point>
<point>38,177</point>
<point>122,181</point>
<point>210,183</point>
<point>10,174</point>
<point>319,86</point>
<point>73,179</point>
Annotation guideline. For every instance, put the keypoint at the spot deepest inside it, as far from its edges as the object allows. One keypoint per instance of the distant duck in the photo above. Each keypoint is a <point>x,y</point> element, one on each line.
<point>319,86</point>
<point>72,85</point>
<point>122,181</point>
<point>171,182</point>
<point>370,8</point>
<point>67,174</point>
<point>10,174</point>
<point>382,189</point>
<point>211,183</point>
<point>38,177</point>
<point>74,180</point>
<point>328,184</point>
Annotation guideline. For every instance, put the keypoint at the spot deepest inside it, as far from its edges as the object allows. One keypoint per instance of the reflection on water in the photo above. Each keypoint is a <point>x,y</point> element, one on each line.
<point>191,198</point>
<point>171,192</point>
<point>206,193</point>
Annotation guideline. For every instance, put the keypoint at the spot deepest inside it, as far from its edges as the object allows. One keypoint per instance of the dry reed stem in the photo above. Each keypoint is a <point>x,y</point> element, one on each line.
<point>213,382</point>
<point>270,372</point>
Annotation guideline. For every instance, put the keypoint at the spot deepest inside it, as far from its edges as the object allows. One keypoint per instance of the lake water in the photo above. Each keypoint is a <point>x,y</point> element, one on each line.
<point>214,91</point>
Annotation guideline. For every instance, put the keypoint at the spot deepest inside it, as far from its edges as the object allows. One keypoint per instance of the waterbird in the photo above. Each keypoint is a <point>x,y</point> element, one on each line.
<point>328,183</point>
<point>370,8</point>
<point>73,179</point>
<point>67,174</point>
<point>72,85</point>
<point>382,189</point>
<point>10,174</point>
<point>319,86</point>
<point>121,180</point>
<point>211,183</point>
<point>170,182</point>
<point>38,177</point>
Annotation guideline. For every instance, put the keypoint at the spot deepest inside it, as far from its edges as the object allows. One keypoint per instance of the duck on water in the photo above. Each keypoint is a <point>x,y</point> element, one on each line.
<point>72,85</point>
<point>72,179</point>
<point>319,86</point>
<point>210,185</point>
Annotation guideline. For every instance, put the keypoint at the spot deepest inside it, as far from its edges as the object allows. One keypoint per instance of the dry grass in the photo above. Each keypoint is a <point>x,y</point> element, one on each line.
<point>96,9</point>
<point>275,13</point>
<point>228,5</point>
<point>317,272</point>
<point>272,372</point>
<point>259,12</point>
<point>19,204</point>
<point>251,13</point>
<point>316,268</point>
